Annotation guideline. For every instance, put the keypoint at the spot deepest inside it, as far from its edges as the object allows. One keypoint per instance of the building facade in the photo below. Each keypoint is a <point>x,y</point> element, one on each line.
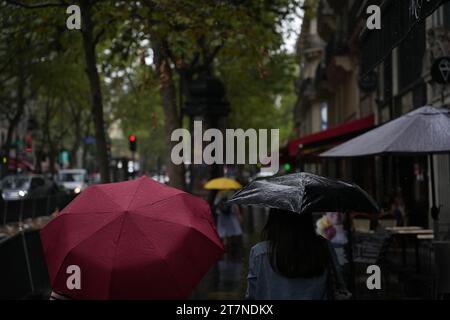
<point>364,79</point>
<point>331,107</point>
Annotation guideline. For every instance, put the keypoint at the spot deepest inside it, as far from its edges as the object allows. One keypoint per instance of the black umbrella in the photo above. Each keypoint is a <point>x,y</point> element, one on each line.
<point>23,271</point>
<point>306,193</point>
<point>422,131</point>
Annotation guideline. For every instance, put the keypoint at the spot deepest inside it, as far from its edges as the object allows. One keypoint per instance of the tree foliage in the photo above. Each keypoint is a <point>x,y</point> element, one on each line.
<point>237,41</point>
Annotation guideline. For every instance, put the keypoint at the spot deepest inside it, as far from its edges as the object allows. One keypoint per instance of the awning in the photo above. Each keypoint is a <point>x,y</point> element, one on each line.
<point>398,19</point>
<point>336,133</point>
<point>20,164</point>
<point>423,131</point>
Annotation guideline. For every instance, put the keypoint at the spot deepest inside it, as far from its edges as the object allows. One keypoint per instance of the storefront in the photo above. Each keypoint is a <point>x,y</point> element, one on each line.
<point>401,54</point>
<point>307,149</point>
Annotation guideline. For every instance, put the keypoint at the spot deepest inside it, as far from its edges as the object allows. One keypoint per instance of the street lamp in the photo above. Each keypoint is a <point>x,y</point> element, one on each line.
<point>206,102</point>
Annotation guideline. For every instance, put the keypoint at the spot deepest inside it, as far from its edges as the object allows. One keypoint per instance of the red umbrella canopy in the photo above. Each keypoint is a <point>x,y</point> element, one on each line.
<point>131,240</point>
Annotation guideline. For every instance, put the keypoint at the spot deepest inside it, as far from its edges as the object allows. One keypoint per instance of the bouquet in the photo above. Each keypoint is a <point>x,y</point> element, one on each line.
<point>326,228</point>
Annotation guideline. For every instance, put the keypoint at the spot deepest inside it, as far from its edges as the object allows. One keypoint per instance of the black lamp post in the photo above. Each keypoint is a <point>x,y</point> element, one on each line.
<point>206,102</point>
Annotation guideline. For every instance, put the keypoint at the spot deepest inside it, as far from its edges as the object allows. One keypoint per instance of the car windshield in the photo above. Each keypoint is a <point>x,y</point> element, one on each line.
<point>15,183</point>
<point>71,177</point>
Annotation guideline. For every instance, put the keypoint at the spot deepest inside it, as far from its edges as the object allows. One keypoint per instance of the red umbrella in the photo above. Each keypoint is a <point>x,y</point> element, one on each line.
<point>131,240</point>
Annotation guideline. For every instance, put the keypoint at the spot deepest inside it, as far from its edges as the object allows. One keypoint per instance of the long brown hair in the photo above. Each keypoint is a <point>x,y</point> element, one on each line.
<point>295,249</point>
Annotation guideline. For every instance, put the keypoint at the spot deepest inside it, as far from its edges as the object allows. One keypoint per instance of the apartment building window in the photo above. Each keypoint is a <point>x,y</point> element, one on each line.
<point>441,17</point>
<point>437,19</point>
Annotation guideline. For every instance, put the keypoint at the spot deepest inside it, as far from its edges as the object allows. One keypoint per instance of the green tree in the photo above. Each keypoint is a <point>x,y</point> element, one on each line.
<point>187,37</point>
<point>61,107</point>
<point>23,48</point>
<point>158,47</point>
<point>97,21</point>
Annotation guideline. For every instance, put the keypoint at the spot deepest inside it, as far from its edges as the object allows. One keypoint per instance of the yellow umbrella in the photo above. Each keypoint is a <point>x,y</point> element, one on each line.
<point>222,184</point>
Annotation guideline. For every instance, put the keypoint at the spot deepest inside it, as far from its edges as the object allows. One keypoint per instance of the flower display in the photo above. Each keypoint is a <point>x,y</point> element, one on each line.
<point>326,228</point>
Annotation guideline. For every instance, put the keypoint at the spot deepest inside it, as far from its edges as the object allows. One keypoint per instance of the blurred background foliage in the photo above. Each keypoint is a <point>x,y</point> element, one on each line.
<point>240,42</point>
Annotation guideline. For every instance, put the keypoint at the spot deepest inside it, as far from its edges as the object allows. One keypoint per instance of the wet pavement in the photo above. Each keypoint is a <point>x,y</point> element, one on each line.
<point>227,279</point>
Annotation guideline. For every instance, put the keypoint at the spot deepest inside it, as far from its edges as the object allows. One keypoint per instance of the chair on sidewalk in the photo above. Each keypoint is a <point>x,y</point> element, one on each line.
<point>444,231</point>
<point>362,222</point>
<point>387,220</point>
<point>371,249</point>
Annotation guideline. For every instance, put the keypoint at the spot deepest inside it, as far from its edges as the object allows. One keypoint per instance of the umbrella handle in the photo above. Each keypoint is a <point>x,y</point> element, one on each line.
<point>434,209</point>
<point>27,259</point>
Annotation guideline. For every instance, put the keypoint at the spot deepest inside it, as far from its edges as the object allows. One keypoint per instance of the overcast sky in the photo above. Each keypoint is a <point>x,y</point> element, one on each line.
<point>291,31</point>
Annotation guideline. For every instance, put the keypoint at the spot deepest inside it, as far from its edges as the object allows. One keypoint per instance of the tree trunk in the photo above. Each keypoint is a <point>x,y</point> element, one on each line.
<point>76,117</point>
<point>7,146</point>
<point>12,123</point>
<point>89,44</point>
<point>52,157</point>
<point>73,155</point>
<point>169,101</point>
<point>47,138</point>
<point>86,133</point>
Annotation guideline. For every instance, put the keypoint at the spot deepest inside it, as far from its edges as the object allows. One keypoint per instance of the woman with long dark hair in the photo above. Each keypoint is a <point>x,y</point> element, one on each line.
<point>292,263</point>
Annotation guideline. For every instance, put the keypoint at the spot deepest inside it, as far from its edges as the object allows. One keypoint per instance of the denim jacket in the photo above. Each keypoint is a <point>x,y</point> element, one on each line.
<point>265,284</point>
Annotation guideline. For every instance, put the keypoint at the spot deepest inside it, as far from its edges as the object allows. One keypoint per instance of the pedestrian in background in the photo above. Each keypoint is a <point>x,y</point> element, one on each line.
<point>228,218</point>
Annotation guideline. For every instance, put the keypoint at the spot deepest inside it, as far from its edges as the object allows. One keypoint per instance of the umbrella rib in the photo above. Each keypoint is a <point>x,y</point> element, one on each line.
<point>368,197</point>
<point>112,199</point>
<point>179,224</point>
<point>402,131</point>
<point>80,242</point>
<point>134,194</point>
<point>90,212</point>
<point>114,256</point>
<point>156,249</point>
<point>161,201</point>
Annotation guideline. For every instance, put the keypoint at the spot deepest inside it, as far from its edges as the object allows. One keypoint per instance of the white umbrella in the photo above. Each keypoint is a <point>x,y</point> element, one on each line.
<point>422,131</point>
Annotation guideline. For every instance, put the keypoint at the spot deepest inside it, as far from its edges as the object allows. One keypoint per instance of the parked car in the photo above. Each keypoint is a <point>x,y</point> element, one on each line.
<point>73,180</point>
<point>25,186</point>
<point>161,178</point>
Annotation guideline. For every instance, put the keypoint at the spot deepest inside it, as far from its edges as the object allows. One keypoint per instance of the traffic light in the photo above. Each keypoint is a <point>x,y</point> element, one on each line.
<point>287,167</point>
<point>28,143</point>
<point>132,143</point>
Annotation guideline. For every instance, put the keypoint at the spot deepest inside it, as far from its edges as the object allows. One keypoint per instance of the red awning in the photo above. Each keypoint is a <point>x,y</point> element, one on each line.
<point>20,164</point>
<point>338,131</point>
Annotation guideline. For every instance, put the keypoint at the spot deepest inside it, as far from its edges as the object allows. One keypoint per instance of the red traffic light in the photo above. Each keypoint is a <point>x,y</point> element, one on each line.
<point>132,143</point>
